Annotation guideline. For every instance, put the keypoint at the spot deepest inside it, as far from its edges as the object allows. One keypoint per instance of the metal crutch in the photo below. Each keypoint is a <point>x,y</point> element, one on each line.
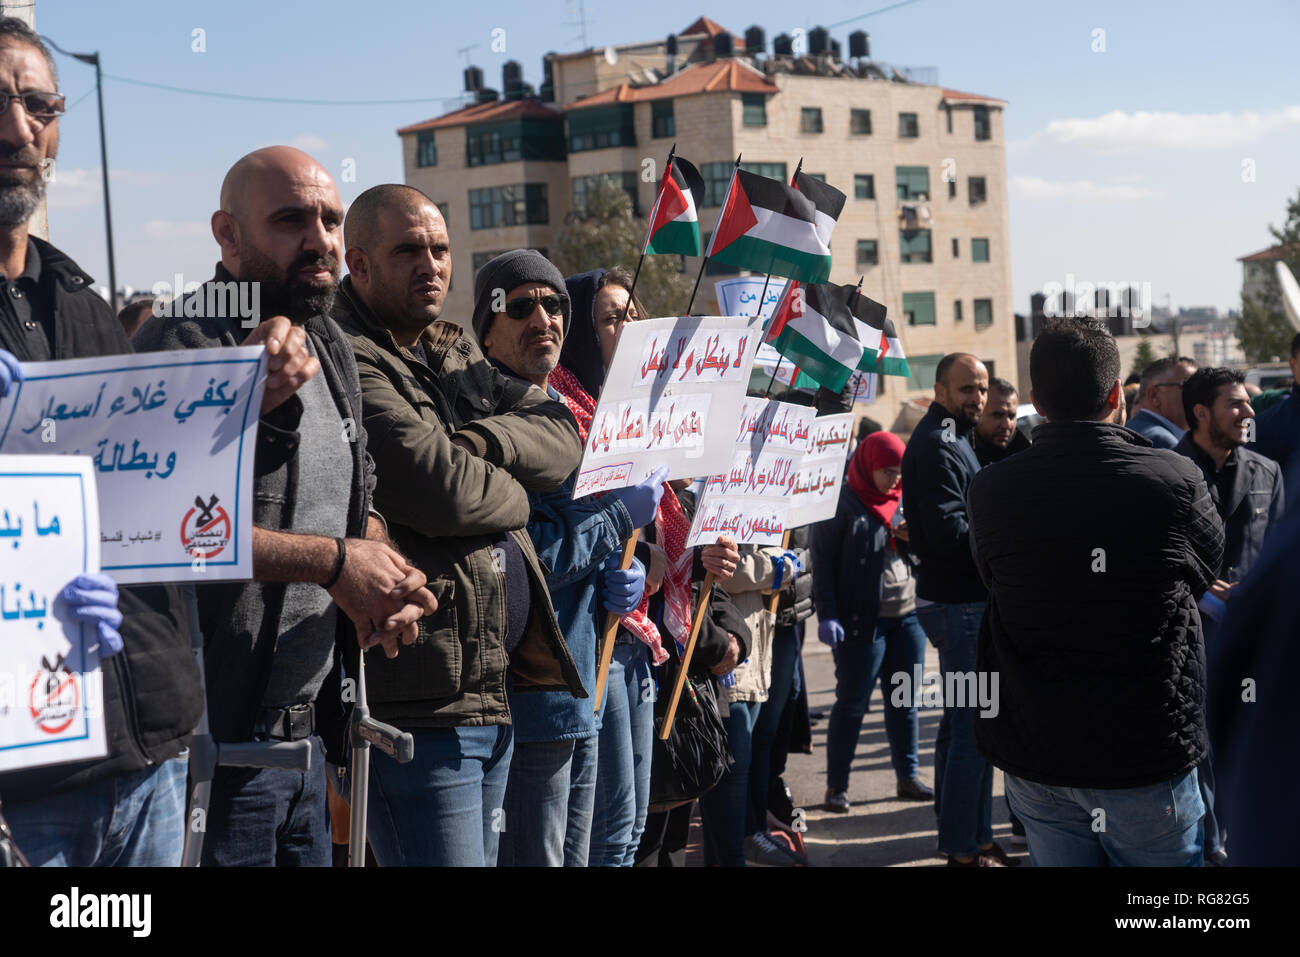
<point>206,754</point>
<point>365,731</point>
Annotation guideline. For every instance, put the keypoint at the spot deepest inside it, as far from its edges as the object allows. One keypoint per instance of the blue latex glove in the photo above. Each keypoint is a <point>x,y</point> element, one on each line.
<point>1212,606</point>
<point>642,500</point>
<point>787,568</point>
<point>623,586</point>
<point>830,632</point>
<point>10,372</point>
<point>728,680</point>
<point>93,599</point>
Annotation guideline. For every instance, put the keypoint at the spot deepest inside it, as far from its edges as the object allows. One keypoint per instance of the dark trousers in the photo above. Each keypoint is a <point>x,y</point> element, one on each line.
<point>663,843</point>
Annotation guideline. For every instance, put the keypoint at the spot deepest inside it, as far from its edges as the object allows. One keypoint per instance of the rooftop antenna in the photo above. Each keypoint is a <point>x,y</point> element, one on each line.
<point>580,23</point>
<point>464,51</point>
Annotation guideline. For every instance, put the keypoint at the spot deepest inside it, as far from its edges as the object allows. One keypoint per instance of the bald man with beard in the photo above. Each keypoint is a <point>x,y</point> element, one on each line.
<point>273,645</point>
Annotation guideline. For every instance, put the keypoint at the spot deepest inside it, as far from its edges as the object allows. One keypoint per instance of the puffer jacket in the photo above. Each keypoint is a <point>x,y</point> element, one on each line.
<point>750,590</point>
<point>446,508</point>
<point>1095,548</point>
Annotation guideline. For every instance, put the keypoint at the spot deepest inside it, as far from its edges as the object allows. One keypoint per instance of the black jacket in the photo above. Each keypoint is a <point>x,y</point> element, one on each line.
<point>152,696</point>
<point>240,619</point>
<point>1255,501</point>
<point>1095,547</point>
<point>938,466</point>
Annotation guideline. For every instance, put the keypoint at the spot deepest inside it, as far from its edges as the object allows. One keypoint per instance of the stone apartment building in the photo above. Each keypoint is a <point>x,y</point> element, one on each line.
<point>923,167</point>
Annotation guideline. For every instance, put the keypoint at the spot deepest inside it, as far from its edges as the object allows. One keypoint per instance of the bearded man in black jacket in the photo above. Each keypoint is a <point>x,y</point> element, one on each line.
<point>1095,547</point>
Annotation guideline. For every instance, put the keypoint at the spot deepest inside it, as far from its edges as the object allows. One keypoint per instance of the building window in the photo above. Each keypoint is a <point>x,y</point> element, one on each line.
<point>598,128</point>
<point>860,122</point>
<point>519,205</point>
<point>947,109</point>
<point>918,307</point>
<point>952,189</point>
<point>976,189</point>
<point>923,369</point>
<point>983,313</point>
<point>908,128</point>
<point>810,119</point>
<point>584,184</point>
<point>820,177</point>
<point>955,253</point>
<point>753,109</point>
<point>956,310</point>
<point>426,149</point>
<point>868,252</point>
<point>979,250</point>
<point>662,123</point>
<point>914,246</point>
<point>718,175</point>
<point>983,130</point>
<point>479,260</point>
<point>772,171</point>
<point>990,365</point>
<point>913,182</point>
<point>530,138</point>
<point>864,186</point>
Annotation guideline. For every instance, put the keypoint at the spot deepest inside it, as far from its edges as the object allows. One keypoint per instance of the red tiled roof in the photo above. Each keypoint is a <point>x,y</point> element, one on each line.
<point>480,112</point>
<point>704,25</point>
<point>959,95</point>
<point>719,76</point>
<point>1272,254</point>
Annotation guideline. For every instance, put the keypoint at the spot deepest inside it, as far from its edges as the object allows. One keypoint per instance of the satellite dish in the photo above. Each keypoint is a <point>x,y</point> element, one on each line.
<point>611,55</point>
<point>1290,293</point>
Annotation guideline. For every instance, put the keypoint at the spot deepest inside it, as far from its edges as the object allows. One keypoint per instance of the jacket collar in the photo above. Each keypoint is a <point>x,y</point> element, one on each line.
<point>938,412</point>
<point>349,304</point>
<point>1074,432</point>
<point>1160,419</point>
<point>56,263</point>
<point>1238,460</point>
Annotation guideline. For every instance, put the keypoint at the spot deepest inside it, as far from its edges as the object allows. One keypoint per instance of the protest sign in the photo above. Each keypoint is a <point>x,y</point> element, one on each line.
<point>751,500</point>
<point>816,491</point>
<point>172,436</point>
<point>51,701</point>
<point>739,296</point>
<point>671,398</point>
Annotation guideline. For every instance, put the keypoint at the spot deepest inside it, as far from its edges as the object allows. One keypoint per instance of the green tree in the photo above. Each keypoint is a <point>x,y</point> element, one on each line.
<point>604,233</point>
<point>1263,330</point>
<point>1145,355</point>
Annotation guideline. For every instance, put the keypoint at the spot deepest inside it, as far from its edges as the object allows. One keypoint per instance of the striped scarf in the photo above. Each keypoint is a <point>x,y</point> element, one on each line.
<point>671,527</point>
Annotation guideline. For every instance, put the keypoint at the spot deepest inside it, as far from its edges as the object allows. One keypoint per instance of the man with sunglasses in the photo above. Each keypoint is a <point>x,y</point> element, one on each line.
<point>127,808</point>
<point>457,448</point>
<point>1161,419</point>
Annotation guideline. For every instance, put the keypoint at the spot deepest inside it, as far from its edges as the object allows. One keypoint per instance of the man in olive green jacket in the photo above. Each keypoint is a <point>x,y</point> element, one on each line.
<point>457,447</point>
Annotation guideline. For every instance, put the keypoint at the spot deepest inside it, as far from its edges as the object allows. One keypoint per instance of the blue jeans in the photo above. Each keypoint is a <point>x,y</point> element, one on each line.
<point>1154,826</point>
<point>133,819</point>
<point>723,811</point>
<point>550,797</point>
<point>781,694</point>
<point>897,646</point>
<point>623,759</point>
<point>446,808</point>
<point>963,780</point>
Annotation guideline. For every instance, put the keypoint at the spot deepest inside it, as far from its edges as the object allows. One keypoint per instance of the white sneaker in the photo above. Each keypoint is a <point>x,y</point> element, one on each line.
<point>760,849</point>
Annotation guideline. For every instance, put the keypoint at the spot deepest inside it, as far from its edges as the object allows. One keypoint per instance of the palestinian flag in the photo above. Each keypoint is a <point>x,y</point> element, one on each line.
<point>882,350</point>
<point>769,227</point>
<point>674,226</point>
<point>828,200</point>
<point>813,328</point>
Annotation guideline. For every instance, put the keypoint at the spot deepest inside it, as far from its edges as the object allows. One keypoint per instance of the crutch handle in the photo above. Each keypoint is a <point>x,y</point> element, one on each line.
<point>398,745</point>
<point>283,755</point>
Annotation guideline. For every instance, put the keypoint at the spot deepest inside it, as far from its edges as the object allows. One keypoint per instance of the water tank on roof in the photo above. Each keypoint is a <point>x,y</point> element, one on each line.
<point>859,44</point>
<point>548,79</point>
<point>755,40</point>
<point>670,52</point>
<point>512,79</point>
<point>818,40</point>
<point>782,45</point>
<point>485,95</point>
<point>473,79</point>
<point>722,44</point>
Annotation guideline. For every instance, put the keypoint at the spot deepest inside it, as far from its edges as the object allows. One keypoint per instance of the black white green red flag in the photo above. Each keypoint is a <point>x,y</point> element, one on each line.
<point>674,223</point>
<point>769,227</point>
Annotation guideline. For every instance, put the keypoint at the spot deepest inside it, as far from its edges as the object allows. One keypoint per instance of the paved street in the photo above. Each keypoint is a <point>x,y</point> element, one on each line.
<point>880,829</point>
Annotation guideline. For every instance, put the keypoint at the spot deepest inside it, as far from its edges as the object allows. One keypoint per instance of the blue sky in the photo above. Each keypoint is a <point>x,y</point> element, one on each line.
<point>1123,165</point>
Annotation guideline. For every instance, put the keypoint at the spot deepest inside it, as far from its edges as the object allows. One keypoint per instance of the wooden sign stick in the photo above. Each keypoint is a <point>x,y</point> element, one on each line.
<point>706,590</point>
<point>776,595</point>
<point>611,630</point>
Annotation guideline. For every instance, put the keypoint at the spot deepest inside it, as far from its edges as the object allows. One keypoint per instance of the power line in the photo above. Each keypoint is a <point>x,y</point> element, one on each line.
<point>273,99</point>
<point>863,16</point>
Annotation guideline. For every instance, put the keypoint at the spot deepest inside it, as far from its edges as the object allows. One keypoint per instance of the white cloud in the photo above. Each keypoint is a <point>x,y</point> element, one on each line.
<point>1119,132</point>
<point>174,229</point>
<point>308,142</point>
<point>1077,191</point>
<point>76,188</point>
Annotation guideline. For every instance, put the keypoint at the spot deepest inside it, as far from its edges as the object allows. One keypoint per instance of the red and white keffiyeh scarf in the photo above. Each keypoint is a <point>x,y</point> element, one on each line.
<point>671,530</point>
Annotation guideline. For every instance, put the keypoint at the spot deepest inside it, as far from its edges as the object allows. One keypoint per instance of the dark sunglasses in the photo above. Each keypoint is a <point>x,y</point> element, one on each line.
<point>522,308</point>
<point>44,105</point>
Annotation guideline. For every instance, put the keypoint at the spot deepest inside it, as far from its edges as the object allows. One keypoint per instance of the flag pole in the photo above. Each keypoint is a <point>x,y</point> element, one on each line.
<point>700,274</point>
<point>668,171</point>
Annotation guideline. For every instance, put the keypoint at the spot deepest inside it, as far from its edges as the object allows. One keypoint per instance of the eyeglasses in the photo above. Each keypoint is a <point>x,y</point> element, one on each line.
<point>522,308</point>
<point>43,105</point>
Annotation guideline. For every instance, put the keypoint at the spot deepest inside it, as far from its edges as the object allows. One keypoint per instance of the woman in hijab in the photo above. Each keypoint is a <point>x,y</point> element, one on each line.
<point>866,605</point>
